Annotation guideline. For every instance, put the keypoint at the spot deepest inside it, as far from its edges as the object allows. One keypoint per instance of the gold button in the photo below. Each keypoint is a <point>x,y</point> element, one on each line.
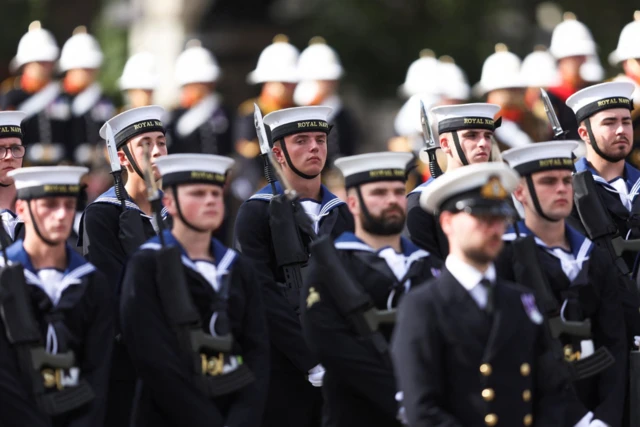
<point>528,420</point>
<point>485,369</point>
<point>525,369</point>
<point>488,394</point>
<point>526,395</point>
<point>491,420</point>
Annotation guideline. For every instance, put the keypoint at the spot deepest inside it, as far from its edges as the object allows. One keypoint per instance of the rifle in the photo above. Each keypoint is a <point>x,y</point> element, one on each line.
<point>286,221</point>
<point>130,223</point>
<point>529,274</point>
<point>597,222</point>
<point>264,146</point>
<point>429,142</point>
<point>558,132</point>
<point>45,371</point>
<point>182,314</point>
<point>352,301</point>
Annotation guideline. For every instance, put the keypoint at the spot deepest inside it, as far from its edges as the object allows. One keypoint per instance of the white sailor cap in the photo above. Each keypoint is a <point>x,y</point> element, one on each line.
<point>479,189</point>
<point>466,116</point>
<point>179,169</point>
<point>604,96</point>
<point>289,121</point>
<point>371,167</point>
<point>47,181</point>
<point>133,122</point>
<point>541,156</point>
<point>10,124</point>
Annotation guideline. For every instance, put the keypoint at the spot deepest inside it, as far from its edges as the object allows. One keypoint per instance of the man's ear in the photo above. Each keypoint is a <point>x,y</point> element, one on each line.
<point>520,193</point>
<point>444,144</point>
<point>21,208</point>
<point>445,218</point>
<point>122,158</point>
<point>352,202</point>
<point>277,151</point>
<point>584,135</point>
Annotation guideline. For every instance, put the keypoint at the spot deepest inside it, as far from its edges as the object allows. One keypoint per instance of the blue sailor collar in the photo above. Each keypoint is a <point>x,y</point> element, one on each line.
<point>328,203</point>
<point>422,186</point>
<point>631,176</point>
<point>110,197</point>
<point>223,257</point>
<point>581,246</point>
<point>348,241</point>
<point>77,266</point>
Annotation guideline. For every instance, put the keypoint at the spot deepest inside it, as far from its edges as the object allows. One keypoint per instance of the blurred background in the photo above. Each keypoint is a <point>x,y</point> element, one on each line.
<point>376,39</point>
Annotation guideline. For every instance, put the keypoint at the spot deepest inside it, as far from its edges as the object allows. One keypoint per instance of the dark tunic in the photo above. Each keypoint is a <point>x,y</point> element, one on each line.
<point>424,228</point>
<point>204,128</point>
<point>359,385</point>
<point>460,366</point>
<point>292,400</point>
<point>167,394</point>
<point>627,221</point>
<point>79,321</point>
<point>80,117</point>
<point>108,246</point>
<point>594,293</point>
<point>38,126</point>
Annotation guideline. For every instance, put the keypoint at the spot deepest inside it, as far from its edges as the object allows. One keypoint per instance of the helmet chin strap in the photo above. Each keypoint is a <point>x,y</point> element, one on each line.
<point>456,143</point>
<point>536,202</point>
<point>594,143</point>
<point>134,164</point>
<point>182,218</point>
<point>290,163</point>
<point>37,229</point>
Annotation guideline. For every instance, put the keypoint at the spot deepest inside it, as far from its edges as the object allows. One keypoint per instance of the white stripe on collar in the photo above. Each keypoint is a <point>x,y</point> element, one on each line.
<point>262,196</point>
<point>358,246</point>
<point>223,265</point>
<point>114,201</point>
<point>74,277</point>
<point>38,101</point>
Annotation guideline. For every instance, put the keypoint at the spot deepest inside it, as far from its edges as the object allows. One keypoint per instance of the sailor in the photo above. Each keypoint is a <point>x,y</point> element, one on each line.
<point>12,154</point>
<point>604,115</point>
<point>465,133</point>
<point>59,378</point>
<point>502,84</point>
<point>299,143</point>
<point>470,349</point>
<point>359,385</point>
<point>320,71</point>
<point>81,109</point>
<point>225,386</point>
<point>201,124</point>
<point>582,278</point>
<point>115,224</point>
<point>139,80</point>
<point>571,45</point>
<point>277,72</point>
<point>627,55</point>
<point>35,92</point>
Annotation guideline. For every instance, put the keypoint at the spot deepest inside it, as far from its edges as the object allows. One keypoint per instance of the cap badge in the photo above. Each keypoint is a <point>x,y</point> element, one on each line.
<point>493,189</point>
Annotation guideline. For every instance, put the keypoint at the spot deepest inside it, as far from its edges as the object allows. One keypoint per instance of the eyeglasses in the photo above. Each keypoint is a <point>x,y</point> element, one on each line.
<point>17,151</point>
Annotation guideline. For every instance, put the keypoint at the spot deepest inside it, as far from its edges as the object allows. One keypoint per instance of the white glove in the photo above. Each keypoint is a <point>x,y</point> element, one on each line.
<point>315,375</point>
<point>402,414</point>
<point>585,421</point>
<point>636,340</point>
<point>598,423</point>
